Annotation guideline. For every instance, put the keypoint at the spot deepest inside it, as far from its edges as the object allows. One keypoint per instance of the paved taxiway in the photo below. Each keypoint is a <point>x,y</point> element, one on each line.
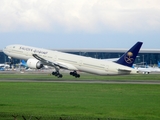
<point>86,81</point>
<point>76,80</point>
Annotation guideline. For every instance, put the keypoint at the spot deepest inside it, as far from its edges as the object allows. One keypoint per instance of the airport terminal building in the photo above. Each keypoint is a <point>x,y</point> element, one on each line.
<point>148,56</point>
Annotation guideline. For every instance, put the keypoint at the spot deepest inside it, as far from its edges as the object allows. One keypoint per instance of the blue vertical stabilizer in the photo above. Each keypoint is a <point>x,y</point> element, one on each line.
<point>159,64</point>
<point>23,63</point>
<point>129,57</point>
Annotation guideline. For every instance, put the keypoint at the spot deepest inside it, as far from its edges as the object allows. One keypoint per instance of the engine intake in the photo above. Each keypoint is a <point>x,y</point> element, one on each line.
<point>33,63</point>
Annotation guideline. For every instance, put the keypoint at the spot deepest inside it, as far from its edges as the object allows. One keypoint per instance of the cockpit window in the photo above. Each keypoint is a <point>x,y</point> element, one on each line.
<point>13,46</point>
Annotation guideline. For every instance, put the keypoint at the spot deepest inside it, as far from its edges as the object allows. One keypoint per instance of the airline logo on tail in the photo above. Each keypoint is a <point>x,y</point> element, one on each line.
<point>128,58</point>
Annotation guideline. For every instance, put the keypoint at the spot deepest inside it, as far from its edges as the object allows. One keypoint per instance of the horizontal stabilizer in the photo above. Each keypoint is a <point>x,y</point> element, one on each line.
<point>124,70</point>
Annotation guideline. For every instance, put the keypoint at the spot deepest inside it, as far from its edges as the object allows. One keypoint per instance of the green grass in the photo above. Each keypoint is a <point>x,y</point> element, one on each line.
<point>79,100</point>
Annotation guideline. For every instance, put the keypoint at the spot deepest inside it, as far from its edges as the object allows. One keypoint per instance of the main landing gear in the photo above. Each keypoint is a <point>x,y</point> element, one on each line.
<point>57,74</point>
<point>74,73</point>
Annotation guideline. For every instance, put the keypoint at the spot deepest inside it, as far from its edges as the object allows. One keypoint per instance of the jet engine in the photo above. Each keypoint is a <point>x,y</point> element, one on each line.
<point>33,63</point>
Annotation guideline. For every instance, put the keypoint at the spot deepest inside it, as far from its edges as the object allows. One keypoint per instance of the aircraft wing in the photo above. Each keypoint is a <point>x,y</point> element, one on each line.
<point>55,64</point>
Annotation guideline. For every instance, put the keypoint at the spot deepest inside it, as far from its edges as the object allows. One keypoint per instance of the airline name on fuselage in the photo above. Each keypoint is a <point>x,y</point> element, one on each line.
<point>33,50</point>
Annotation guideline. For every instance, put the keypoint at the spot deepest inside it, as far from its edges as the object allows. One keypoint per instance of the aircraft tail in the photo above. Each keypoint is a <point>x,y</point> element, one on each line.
<point>129,57</point>
<point>159,64</point>
<point>23,63</point>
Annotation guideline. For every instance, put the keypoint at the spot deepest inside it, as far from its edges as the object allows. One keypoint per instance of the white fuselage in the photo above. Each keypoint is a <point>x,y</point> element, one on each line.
<point>4,66</point>
<point>78,63</point>
<point>148,70</point>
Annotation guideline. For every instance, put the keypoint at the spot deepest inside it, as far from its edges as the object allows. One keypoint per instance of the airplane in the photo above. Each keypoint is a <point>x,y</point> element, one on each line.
<point>37,58</point>
<point>4,66</point>
<point>158,64</point>
<point>24,64</point>
<point>2,69</point>
<point>148,69</point>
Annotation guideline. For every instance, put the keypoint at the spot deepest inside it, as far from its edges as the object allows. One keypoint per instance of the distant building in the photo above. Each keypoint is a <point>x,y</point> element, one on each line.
<point>149,56</point>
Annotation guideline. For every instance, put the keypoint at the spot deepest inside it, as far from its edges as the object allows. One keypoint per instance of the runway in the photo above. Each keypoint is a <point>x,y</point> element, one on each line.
<point>59,80</point>
<point>86,81</point>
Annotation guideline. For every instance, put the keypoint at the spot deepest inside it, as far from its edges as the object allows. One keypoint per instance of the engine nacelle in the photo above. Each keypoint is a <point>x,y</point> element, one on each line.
<point>33,63</point>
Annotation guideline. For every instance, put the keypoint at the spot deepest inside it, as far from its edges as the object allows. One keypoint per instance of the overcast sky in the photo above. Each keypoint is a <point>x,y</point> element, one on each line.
<point>61,24</point>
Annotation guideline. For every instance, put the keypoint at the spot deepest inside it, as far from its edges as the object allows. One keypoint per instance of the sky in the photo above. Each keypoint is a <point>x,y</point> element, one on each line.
<point>78,24</point>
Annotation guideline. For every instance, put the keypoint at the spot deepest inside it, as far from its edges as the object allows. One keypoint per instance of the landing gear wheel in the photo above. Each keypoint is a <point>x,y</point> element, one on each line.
<point>60,76</point>
<point>74,73</point>
<point>57,74</point>
<point>53,73</point>
<point>77,76</point>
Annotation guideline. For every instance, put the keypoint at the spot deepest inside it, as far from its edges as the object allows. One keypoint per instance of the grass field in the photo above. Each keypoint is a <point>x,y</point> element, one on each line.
<point>79,101</point>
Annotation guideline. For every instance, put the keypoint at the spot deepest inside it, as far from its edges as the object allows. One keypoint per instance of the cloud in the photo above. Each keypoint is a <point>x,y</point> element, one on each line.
<point>90,16</point>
